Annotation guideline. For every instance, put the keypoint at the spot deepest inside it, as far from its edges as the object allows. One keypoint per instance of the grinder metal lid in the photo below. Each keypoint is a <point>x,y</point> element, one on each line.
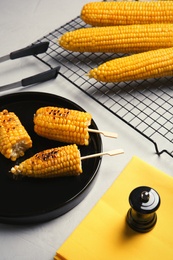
<point>144,200</point>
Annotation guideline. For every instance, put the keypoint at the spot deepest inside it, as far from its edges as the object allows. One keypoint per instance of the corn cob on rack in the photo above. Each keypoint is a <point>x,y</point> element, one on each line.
<point>14,139</point>
<point>56,162</point>
<point>61,161</point>
<point>130,38</point>
<point>124,13</point>
<point>126,27</point>
<point>62,124</point>
<point>151,64</point>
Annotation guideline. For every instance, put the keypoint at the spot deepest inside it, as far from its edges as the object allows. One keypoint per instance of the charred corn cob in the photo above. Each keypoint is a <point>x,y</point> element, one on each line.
<point>14,139</point>
<point>62,124</point>
<point>151,64</point>
<point>124,13</point>
<point>55,162</point>
<point>130,38</point>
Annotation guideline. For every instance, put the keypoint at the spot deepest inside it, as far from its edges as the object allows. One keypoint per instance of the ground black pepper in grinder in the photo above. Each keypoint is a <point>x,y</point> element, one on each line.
<point>144,202</point>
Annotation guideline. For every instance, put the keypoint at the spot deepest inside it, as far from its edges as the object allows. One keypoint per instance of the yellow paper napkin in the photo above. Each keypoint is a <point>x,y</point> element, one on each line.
<point>104,234</point>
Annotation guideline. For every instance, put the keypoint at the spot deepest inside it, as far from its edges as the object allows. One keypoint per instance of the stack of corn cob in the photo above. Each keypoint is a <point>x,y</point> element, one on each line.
<point>55,123</point>
<point>143,29</point>
<point>60,124</point>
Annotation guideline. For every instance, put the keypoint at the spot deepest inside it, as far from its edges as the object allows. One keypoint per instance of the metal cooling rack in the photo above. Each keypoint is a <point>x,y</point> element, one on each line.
<point>146,106</point>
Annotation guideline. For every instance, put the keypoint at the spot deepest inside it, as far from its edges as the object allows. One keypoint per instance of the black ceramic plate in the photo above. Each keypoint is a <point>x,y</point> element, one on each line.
<point>30,200</point>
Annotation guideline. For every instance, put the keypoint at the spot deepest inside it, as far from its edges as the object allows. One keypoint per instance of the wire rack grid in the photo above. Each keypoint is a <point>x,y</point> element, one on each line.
<point>144,105</point>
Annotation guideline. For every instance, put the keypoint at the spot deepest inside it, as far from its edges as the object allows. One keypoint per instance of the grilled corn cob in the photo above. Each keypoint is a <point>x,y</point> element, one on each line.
<point>14,139</point>
<point>124,13</point>
<point>55,162</point>
<point>62,124</point>
<point>130,38</point>
<point>151,64</point>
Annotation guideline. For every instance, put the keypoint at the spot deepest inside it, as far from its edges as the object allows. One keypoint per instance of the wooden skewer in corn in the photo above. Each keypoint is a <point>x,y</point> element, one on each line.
<point>105,133</point>
<point>111,153</point>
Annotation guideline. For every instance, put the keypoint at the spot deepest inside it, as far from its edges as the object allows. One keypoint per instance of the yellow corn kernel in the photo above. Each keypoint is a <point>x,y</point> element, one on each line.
<point>128,39</point>
<point>62,124</point>
<point>151,64</point>
<point>14,139</point>
<point>55,162</point>
<point>124,12</point>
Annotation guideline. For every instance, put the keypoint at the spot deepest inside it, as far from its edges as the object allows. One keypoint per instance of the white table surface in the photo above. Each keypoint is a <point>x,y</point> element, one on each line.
<point>22,23</point>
